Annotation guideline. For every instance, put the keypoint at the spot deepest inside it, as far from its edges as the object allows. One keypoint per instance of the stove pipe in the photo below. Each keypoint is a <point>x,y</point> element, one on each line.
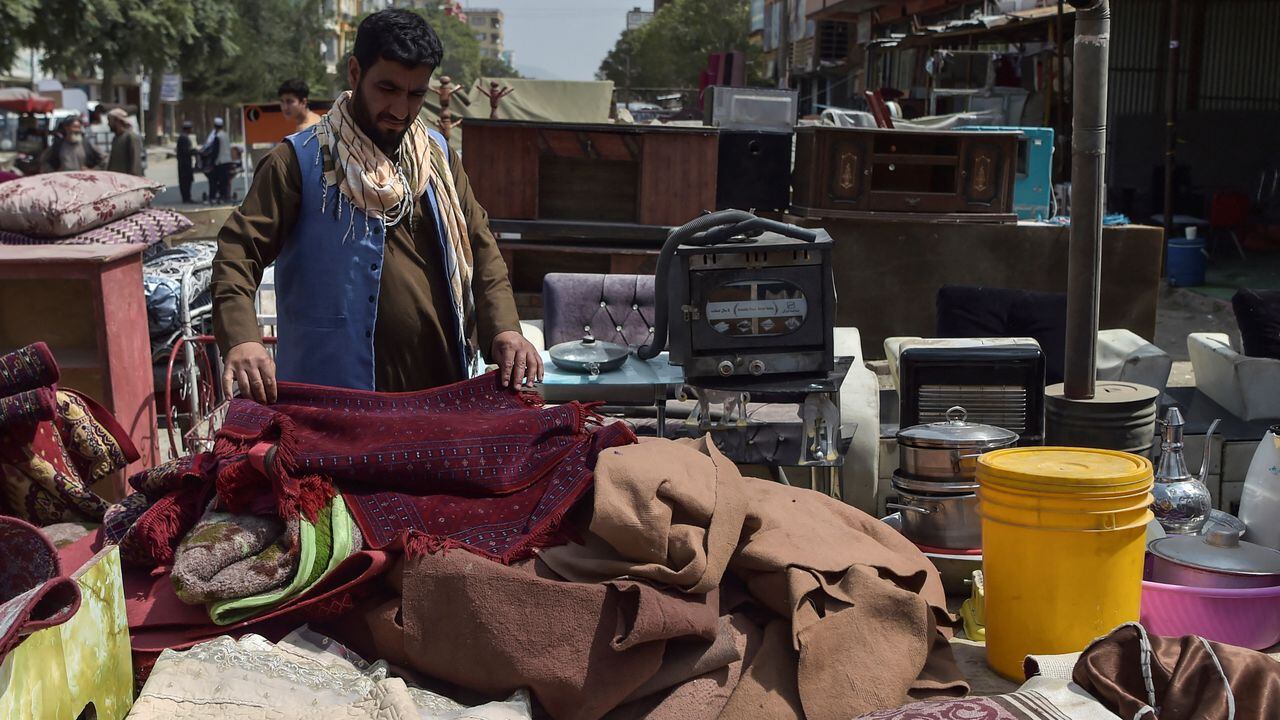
<point>1088,161</point>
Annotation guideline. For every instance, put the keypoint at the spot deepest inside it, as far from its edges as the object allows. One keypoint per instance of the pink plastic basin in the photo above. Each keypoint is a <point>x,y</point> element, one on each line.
<point>1247,617</point>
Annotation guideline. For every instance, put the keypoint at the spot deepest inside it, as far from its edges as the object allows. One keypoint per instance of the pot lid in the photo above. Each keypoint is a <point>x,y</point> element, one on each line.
<point>589,350</point>
<point>1220,550</point>
<point>955,432</point>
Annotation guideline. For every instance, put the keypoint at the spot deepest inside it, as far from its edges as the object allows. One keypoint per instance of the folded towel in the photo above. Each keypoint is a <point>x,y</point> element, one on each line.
<point>228,556</point>
<point>322,545</point>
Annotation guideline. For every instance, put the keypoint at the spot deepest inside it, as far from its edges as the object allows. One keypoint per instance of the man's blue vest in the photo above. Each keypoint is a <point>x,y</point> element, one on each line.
<point>327,279</point>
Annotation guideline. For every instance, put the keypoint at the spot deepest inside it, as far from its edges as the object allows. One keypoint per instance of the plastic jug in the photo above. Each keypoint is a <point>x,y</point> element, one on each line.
<point>1260,502</point>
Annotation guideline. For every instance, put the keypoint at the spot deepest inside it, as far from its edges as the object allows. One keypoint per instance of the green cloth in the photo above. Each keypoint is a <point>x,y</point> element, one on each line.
<point>323,546</point>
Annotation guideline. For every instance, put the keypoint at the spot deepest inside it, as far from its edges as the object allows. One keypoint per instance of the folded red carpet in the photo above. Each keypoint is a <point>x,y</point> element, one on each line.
<point>470,465</point>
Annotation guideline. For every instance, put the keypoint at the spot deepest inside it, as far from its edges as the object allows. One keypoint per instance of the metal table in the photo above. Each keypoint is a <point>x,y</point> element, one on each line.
<point>638,382</point>
<point>650,383</point>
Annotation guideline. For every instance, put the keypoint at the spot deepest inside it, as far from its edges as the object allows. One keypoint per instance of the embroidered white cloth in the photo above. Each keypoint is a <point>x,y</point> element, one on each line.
<point>304,677</point>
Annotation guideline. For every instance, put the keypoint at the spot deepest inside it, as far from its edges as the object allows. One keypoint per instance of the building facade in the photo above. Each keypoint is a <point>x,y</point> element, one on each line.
<point>637,18</point>
<point>487,25</point>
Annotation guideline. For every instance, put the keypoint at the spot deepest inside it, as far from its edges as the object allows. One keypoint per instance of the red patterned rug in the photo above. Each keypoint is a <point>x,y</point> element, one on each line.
<point>470,465</point>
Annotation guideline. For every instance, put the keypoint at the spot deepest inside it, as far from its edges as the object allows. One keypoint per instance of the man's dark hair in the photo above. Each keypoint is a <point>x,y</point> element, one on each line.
<point>294,87</point>
<point>400,36</point>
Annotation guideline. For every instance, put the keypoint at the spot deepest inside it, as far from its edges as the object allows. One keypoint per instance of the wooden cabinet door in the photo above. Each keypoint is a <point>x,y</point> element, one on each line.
<point>847,170</point>
<point>985,174</point>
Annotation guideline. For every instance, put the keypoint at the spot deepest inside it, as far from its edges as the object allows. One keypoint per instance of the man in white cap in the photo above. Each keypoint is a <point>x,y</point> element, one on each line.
<point>217,155</point>
<point>126,146</point>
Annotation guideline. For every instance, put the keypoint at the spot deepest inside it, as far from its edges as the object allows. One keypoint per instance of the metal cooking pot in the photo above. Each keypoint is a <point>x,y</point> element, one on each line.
<point>1218,559</point>
<point>940,521</point>
<point>946,452</point>
<point>589,356</point>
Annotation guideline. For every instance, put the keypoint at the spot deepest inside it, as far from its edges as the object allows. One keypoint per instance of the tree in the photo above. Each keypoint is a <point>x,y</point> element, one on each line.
<point>497,68</point>
<point>672,49</point>
<point>270,40</point>
<point>110,35</point>
<point>461,49</point>
<point>16,16</point>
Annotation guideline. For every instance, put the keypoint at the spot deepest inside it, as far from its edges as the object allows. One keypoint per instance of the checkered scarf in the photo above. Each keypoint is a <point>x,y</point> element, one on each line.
<point>386,190</point>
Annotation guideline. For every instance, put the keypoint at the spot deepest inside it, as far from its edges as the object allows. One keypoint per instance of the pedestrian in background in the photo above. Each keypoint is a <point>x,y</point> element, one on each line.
<point>186,161</point>
<point>217,163</point>
<point>99,131</point>
<point>294,104</point>
<point>70,149</point>
<point>126,147</point>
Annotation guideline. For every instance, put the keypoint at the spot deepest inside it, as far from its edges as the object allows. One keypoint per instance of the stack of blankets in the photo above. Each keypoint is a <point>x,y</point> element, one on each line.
<point>55,443</point>
<point>481,541</point>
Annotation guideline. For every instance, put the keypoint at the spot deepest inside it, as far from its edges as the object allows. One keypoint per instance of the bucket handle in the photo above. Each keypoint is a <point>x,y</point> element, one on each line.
<point>912,508</point>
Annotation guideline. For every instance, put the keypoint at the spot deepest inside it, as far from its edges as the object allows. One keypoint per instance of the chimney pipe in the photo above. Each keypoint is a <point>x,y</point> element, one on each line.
<point>1088,194</point>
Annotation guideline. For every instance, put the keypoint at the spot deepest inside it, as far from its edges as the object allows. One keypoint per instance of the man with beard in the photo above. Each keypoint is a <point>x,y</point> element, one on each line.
<point>70,150</point>
<point>387,276</point>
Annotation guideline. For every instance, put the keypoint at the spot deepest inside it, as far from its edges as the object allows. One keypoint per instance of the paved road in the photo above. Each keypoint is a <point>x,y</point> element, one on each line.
<point>162,167</point>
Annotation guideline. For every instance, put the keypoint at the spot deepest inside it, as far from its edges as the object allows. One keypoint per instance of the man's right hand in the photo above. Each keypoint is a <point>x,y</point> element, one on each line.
<point>250,366</point>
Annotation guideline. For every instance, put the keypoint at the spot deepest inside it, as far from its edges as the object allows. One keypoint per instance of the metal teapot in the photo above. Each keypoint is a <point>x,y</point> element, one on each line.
<point>1182,501</point>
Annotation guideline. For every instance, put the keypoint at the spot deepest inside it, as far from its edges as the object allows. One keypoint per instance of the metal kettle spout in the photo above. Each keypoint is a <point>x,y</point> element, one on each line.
<point>1203,475</point>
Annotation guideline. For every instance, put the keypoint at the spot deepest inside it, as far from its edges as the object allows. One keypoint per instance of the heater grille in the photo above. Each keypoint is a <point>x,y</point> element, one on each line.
<point>1000,405</point>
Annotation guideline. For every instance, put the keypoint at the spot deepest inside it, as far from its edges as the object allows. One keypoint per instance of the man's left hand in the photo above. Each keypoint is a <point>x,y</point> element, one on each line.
<point>517,359</point>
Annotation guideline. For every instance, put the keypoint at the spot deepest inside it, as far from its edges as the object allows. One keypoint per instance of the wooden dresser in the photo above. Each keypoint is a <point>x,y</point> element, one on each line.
<point>88,304</point>
<point>601,173</point>
<point>906,174</point>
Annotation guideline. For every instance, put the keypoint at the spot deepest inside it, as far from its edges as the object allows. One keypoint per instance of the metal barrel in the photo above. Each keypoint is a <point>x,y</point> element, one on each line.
<point>1120,416</point>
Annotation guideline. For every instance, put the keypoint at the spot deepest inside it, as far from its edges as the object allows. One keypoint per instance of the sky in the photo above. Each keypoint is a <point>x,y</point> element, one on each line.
<point>561,39</point>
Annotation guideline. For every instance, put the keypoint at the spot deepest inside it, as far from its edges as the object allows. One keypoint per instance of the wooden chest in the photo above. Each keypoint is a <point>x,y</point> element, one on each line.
<point>955,176</point>
<point>640,174</point>
<point>88,304</point>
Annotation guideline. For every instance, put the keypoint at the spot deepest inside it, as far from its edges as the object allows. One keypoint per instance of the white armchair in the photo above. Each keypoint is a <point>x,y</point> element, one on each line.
<point>860,406</point>
<point>1249,387</point>
<point>1124,355</point>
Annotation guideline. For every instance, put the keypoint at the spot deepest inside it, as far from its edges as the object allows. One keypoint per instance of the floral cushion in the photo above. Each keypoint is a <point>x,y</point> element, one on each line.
<point>67,203</point>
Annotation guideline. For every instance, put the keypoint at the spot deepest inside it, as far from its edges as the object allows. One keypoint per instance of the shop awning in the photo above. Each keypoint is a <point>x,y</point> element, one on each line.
<point>22,100</point>
<point>974,26</point>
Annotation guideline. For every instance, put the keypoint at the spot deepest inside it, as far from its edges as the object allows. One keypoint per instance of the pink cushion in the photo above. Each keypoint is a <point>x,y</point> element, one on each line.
<point>67,203</point>
<point>145,227</point>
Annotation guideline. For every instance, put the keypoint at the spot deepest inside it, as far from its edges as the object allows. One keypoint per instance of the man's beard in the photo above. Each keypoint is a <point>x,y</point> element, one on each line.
<point>387,143</point>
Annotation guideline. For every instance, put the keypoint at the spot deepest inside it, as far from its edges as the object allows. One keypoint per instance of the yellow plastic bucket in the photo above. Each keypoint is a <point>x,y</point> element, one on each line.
<point>1063,540</point>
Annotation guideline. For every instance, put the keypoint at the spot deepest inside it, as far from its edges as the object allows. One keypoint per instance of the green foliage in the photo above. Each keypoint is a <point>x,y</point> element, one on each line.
<point>461,49</point>
<point>497,68</point>
<point>79,37</point>
<point>270,40</point>
<point>673,48</point>
<point>16,16</point>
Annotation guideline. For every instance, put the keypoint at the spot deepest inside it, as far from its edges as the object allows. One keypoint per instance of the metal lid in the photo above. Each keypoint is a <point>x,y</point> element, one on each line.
<point>1220,550</point>
<point>955,432</point>
<point>588,350</point>
<point>1225,521</point>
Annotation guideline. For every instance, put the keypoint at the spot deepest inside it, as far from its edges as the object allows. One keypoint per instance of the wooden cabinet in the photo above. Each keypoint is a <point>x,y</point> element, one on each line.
<point>87,303</point>
<point>958,176</point>
<point>638,174</point>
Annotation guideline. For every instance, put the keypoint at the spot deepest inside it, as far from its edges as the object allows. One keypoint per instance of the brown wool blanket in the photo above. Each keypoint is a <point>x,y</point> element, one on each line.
<point>839,614</point>
<point>583,648</point>
<point>860,607</point>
